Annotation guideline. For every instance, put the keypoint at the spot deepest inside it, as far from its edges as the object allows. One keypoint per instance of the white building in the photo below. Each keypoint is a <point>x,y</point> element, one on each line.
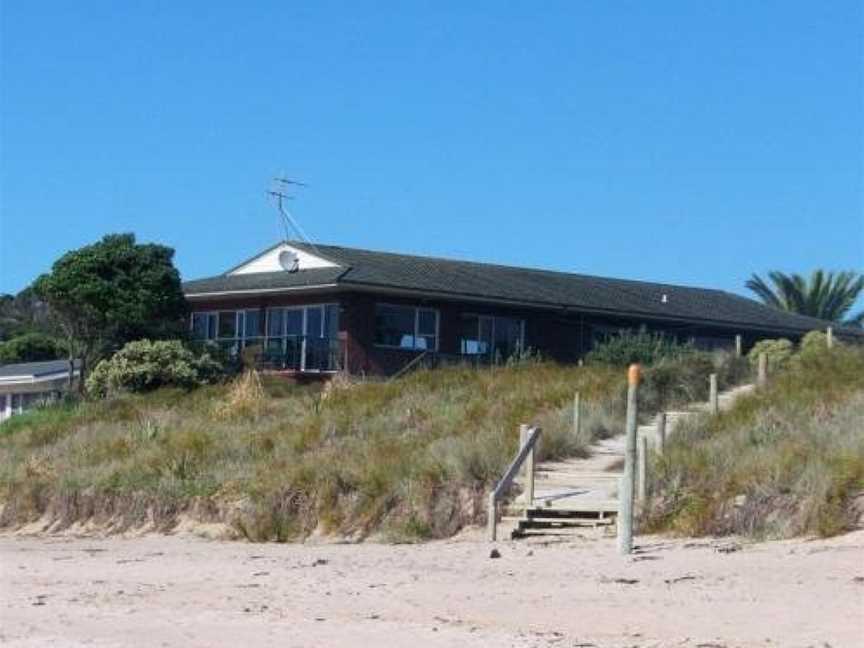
<point>28,384</point>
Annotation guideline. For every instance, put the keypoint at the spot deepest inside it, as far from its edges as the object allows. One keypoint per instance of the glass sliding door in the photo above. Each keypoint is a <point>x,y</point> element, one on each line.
<point>301,337</point>
<point>496,337</point>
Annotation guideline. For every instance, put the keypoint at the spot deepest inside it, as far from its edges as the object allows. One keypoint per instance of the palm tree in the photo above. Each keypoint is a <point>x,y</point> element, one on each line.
<point>826,295</point>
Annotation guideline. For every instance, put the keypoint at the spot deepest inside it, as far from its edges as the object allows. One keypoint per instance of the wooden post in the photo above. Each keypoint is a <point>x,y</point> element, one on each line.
<point>661,432</point>
<point>762,375</point>
<point>492,522</point>
<point>642,490</point>
<point>625,496</point>
<point>829,337</point>
<point>713,397</point>
<point>739,346</point>
<point>529,466</point>
<point>577,415</point>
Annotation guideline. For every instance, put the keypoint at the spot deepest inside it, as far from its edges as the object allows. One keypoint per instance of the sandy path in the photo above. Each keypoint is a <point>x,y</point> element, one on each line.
<point>175,591</point>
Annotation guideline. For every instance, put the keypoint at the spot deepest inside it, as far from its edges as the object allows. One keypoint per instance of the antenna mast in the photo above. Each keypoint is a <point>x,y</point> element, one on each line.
<point>280,192</point>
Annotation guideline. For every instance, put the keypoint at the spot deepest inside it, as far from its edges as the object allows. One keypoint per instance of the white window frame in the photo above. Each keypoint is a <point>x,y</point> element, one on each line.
<point>416,334</point>
<point>303,308</point>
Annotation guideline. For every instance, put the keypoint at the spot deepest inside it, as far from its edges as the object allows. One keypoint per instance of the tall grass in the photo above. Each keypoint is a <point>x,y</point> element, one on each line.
<point>407,458</point>
<point>787,460</point>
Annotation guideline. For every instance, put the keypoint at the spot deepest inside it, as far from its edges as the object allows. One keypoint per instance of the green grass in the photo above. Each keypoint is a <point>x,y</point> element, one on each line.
<point>785,461</point>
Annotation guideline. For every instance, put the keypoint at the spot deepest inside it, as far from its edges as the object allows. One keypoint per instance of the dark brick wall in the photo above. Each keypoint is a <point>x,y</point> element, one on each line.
<point>562,335</point>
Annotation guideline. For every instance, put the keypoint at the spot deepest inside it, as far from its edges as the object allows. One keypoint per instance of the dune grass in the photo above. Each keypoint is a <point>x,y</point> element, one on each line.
<point>785,461</point>
<point>409,458</point>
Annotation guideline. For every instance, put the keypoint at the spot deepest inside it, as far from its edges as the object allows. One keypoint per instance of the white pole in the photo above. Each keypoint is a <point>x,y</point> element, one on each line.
<point>625,496</point>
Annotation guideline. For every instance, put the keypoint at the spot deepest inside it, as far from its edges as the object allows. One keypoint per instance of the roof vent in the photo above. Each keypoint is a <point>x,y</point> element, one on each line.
<point>664,299</point>
<point>289,260</point>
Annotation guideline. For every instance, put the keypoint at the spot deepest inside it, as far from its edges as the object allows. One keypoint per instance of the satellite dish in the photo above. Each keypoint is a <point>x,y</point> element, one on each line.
<point>289,260</point>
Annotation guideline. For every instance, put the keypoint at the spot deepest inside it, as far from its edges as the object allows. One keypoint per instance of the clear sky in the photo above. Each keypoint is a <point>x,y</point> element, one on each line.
<point>686,142</point>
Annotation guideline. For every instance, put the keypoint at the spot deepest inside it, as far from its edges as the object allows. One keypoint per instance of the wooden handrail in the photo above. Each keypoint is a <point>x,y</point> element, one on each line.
<point>526,451</point>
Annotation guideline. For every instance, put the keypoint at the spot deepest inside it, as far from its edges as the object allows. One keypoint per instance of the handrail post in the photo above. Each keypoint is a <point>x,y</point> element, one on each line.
<point>661,432</point>
<point>713,397</point>
<point>762,374</point>
<point>577,415</point>
<point>829,337</point>
<point>524,432</point>
<point>739,346</point>
<point>492,522</point>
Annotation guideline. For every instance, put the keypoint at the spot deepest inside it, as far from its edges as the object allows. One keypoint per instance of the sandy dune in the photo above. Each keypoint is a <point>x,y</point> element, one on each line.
<point>181,591</point>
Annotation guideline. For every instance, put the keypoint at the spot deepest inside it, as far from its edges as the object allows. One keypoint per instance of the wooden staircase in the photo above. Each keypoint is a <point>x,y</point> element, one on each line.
<point>573,496</point>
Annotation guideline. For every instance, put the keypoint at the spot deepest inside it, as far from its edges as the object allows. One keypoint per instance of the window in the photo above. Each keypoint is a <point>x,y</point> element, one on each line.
<point>406,327</point>
<point>498,337</point>
<point>232,330</point>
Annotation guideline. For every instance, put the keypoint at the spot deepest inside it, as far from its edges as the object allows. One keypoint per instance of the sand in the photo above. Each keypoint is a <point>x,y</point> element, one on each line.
<point>185,591</point>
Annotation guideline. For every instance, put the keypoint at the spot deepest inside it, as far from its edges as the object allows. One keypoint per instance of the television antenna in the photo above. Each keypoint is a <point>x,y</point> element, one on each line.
<point>280,191</point>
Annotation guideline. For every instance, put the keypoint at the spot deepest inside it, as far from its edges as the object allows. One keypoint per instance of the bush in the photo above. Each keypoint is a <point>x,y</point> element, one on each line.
<point>642,347</point>
<point>144,365</point>
<point>31,347</point>
<point>815,343</point>
<point>779,352</point>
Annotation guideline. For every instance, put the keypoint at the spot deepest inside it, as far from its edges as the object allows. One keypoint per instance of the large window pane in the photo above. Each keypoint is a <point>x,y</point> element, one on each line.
<point>294,321</point>
<point>253,324</point>
<point>314,320</point>
<point>394,325</point>
<point>199,326</point>
<point>331,321</point>
<point>275,317</point>
<point>228,324</point>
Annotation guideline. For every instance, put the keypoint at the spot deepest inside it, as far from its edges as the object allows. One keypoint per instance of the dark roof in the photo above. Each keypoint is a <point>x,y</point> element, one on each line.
<point>366,269</point>
<point>36,369</point>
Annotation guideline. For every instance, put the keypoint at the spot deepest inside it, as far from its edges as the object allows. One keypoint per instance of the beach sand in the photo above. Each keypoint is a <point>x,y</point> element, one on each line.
<point>186,591</point>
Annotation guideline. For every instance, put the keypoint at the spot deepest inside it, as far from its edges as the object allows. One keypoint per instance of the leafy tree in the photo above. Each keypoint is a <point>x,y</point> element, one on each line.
<point>826,295</point>
<point>111,292</point>
<point>24,313</point>
<point>30,347</point>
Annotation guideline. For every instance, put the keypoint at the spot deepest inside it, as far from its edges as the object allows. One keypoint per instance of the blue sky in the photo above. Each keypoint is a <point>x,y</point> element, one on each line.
<point>686,142</point>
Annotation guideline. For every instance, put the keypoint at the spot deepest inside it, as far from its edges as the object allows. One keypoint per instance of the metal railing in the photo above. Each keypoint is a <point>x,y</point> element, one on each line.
<point>528,437</point>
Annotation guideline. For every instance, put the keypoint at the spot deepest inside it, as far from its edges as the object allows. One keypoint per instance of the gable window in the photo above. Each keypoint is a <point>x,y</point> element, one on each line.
<point>406,327</point>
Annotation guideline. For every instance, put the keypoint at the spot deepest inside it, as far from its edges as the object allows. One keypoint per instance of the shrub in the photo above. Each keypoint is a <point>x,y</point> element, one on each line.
<point>642,347</point>
<point>814,343</point>
<point>778,352</point>
<point>31,347</point>
<point>144,365</point>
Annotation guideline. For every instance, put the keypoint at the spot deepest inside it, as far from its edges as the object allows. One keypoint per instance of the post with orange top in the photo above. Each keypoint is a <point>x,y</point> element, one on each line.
<point>628,483</point>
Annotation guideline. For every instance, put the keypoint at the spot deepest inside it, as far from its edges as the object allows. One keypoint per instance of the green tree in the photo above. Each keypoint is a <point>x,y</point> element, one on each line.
<point>826,295</point>
<point>111,292</point>
<point>30,347</point>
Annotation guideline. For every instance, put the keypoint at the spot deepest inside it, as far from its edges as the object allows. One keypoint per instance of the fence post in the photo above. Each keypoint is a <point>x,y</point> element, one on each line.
<point>713,397</point>
<point>492,523</point>
<point>762,375</point>
<point>829,337</point>
<point>524,431</point>
<point>661,432</point>
<point>625,496</point>
<point>739,346</point>
<point>643,471</point>
<point>577,415</point>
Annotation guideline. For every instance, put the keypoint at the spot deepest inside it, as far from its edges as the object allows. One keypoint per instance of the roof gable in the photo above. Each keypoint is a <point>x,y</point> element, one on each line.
<point>269,261</point>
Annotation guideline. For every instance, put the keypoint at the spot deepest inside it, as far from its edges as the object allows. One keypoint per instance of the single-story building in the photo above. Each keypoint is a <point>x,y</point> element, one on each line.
<point>28,384</point>
<point>322,308</point>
